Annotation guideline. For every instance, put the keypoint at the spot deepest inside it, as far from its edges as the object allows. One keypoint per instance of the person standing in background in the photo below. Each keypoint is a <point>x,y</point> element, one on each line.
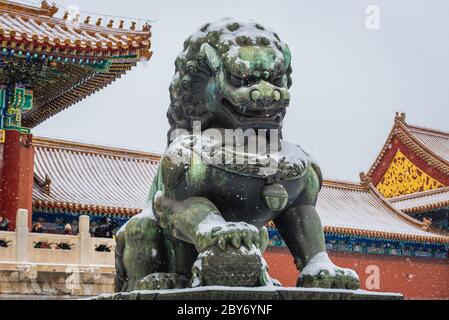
<point>4,224</point>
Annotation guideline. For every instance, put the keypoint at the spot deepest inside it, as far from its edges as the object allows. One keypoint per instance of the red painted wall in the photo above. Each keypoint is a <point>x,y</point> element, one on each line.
<point>17,177</point>
<point>415,278</point>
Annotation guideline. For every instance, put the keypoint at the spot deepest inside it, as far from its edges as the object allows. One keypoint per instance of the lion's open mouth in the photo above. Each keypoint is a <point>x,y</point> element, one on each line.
<point>242,112</point>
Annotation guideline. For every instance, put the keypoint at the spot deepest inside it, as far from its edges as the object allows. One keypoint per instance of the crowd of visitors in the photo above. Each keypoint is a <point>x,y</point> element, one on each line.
<point>106,229</point>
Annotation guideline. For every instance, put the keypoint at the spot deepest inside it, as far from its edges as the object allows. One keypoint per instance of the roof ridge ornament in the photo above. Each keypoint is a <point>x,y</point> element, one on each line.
<point>427,224</point>
<point>47,185</point>
<point>365,180</point>
<point>400,117</point>
<point>44,184</point>
<point>146,27</point>
<point>50,9</point>
<point>21,8</point>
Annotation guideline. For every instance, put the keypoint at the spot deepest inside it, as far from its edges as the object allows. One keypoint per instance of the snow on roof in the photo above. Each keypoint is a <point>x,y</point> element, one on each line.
<point>355,209</point>
<point>24,24</point>
<point>87,177</point>
<point>436,141</point>
<point>423,201</point>
<point>110,180</point>
<point>77,59</point>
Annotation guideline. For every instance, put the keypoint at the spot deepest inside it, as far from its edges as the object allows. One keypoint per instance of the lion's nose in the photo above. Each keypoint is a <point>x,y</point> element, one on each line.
<point>267,96</point>
<point>276,95</point>
<point>256,95</point>
<point>260,98</point>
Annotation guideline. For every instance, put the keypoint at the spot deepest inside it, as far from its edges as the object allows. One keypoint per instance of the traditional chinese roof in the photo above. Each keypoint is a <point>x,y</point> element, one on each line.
<point>423,201</point>
<point>87,178</point>
<point>61,60</point>
<point>413,159</point>
<point>360,210</point>
<point>437,142</point>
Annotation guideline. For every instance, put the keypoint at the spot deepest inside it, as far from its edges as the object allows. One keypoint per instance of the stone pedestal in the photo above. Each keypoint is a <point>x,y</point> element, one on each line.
<point>252,294</point>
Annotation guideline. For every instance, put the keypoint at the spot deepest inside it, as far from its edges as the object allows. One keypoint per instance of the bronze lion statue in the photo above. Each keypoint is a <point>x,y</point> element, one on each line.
<point>211,200</point>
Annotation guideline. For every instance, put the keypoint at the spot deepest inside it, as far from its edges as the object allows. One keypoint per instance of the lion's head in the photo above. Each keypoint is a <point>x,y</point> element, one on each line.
<point>231,75</point>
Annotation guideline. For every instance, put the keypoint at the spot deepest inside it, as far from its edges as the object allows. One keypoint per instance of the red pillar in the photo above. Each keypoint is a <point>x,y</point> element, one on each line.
<point>17,176</point>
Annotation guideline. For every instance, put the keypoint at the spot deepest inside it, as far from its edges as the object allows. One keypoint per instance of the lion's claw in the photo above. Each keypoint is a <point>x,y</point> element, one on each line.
<point>222,243</point>
<point>236,241</point>
<point>236,234</point>
<point>322,273</point>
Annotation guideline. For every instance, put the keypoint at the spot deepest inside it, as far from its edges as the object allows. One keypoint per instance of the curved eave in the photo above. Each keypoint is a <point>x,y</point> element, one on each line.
<point>45,205</point>
<point>9,39</point>
<point>425,234</point>
<point>414,222</point>
<point>28,31</point>
<point>93,149</point>
<point>423,201</point>
<point>379,235</point>
<point>343,185</point>
<point>402,133</point>
<point>428,207</point>
<point>21,26</point>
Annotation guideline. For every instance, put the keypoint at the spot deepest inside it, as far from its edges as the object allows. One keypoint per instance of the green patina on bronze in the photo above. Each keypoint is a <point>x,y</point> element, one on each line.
<point>205,224</point>
<point>196,175</point>
<point>259,58</point>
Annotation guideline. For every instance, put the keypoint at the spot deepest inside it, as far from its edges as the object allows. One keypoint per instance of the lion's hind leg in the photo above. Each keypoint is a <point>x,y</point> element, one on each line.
<point>140,251</point>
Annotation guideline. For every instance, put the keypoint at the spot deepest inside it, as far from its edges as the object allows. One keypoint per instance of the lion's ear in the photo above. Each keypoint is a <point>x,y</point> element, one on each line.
<point>211,56</point>
<point>287,57</point>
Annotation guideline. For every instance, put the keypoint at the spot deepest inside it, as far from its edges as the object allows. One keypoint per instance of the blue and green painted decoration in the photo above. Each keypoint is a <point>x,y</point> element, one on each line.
<point>33,57</point>
<point>13,104</point>
<point>360,244</point>
<point>2,105</point>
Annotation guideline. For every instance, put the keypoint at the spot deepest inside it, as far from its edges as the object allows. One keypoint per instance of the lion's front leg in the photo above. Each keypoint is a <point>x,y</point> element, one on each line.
<point>198,221</point>
<point>230,253</point>
<point>302,231</point>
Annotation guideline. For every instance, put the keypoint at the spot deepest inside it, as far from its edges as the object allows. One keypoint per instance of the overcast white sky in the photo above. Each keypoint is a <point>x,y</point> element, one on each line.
<point>348,80</point>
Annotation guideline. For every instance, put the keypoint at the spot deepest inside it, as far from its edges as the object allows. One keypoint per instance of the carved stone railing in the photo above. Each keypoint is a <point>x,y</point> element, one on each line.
<point>23,247</point>
<point>7,246</point>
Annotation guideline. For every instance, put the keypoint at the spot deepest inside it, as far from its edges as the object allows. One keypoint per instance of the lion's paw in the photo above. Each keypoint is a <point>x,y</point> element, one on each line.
<point>235,234</point>
<point>321,272</point>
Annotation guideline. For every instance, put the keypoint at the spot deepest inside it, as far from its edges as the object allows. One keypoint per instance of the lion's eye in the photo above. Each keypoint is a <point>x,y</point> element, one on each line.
<point>236,81</point>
